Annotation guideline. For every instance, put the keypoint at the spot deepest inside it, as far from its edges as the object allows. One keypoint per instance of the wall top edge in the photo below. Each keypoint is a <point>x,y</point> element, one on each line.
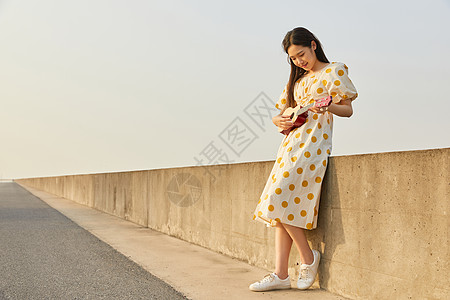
<point>250,162</point>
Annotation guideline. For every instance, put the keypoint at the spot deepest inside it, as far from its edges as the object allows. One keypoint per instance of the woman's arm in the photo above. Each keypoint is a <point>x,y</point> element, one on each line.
<point>282,121</point>
<point>342,109</point>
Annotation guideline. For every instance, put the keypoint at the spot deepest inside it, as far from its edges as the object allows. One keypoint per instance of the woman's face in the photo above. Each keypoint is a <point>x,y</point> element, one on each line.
<point>303,57</point>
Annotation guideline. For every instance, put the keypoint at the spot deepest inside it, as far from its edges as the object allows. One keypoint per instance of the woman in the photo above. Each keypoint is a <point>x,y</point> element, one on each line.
<point>290,199</point>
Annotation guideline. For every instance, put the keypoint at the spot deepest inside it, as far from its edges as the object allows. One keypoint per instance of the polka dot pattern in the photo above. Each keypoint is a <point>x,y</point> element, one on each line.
<point>291,193</point>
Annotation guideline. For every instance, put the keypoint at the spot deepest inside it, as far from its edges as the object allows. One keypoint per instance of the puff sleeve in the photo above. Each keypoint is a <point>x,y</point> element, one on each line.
<point>282,100</point>
<point>338,83</point>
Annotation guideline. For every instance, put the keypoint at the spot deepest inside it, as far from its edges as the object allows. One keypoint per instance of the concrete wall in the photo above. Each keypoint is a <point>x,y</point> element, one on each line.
<point>383,218</point>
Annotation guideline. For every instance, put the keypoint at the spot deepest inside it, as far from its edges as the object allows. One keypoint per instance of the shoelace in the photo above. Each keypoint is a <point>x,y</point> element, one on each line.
<point>267,278</point>
<point>304,273</point>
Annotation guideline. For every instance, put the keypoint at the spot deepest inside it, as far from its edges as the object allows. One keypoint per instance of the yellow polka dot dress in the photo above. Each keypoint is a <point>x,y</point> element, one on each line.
<point>292,192</point>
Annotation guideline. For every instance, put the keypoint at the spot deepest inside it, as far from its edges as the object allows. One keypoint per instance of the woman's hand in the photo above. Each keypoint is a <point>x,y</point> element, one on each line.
<point>320,110</point>
<point>342,109</point>
<point>284,122</point>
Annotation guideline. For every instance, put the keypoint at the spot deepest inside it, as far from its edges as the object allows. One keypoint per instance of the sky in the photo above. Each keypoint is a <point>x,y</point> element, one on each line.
<point>109,86</point>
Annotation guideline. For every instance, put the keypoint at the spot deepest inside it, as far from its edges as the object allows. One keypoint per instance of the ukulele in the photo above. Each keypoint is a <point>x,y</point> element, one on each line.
<point>299,114</point>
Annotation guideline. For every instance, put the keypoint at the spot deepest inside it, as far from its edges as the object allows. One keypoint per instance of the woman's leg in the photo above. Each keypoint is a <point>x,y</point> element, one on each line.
<point>283,244</point>
<point>298,235</point>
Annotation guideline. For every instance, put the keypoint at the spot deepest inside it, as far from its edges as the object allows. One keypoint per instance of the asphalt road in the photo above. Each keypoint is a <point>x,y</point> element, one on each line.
<point>44,255</point>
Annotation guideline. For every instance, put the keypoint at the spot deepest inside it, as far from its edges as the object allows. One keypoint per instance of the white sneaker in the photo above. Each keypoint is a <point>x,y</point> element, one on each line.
<point>271,282</point>
<point>308,272</point>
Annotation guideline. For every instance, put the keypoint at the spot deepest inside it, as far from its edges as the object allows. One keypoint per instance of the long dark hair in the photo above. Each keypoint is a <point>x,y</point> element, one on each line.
<point>302,37</point>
